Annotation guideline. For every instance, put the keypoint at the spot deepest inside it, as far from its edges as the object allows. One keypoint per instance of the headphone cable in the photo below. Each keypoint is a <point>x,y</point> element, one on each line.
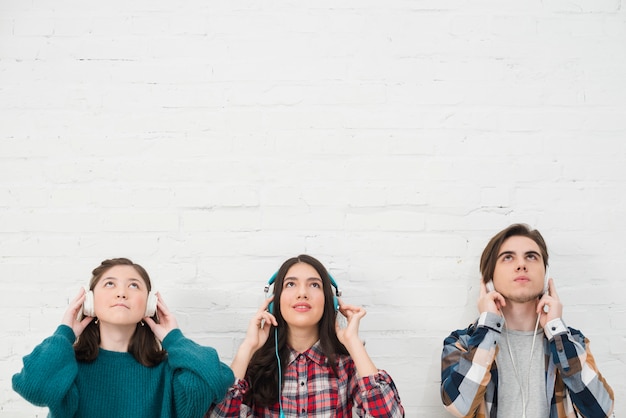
<point>280,375</point>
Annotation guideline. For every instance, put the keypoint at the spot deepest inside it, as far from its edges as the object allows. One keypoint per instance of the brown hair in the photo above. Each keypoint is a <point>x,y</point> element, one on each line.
<point>143,345</point>
<point>262,371</point>
<point>490,253</point>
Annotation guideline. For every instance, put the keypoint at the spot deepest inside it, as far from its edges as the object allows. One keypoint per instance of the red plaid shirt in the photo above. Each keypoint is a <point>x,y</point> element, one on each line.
<point>311,390</point>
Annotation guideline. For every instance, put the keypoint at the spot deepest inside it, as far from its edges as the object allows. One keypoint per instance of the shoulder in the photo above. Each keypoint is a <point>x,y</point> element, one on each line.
<point>461,334</point>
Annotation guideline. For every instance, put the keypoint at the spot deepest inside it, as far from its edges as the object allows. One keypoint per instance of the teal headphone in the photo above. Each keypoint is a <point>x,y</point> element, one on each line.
<point>272,279</point>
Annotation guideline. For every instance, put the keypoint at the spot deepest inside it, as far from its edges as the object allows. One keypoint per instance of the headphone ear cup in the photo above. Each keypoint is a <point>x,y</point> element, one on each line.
<point>88,306</point>
<point>151,305</point>
<point>270,308</point>
<point>336,303</point>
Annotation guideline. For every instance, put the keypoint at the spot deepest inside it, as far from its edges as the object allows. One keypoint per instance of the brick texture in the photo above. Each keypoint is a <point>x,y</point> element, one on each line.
<point>209,141</point>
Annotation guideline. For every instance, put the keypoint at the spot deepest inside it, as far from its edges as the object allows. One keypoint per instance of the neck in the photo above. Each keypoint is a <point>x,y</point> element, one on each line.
<point>520,316</point>
<point>302,339</point>
<point>116,337</point>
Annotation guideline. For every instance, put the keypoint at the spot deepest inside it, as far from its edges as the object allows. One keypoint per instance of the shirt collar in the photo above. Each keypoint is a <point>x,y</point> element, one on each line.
<point>314,354</point>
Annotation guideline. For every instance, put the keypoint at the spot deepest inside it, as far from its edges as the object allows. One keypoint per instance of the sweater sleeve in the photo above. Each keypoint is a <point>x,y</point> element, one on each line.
<point>569,349</point>
<point>49,374</point>
<point>199,378</point>
<point>378,397</point>
<point>466,363</point>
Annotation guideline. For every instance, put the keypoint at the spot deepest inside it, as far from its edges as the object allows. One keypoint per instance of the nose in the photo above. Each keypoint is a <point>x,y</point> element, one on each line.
<point>302,292</point>
<point>521,267</point>
<point>121,294</point>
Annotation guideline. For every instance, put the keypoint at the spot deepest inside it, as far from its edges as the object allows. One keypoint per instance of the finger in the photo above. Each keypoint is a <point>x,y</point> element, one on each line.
<point>162,309</point>
<point>266,304</point>
<point>498,299</point>
<point>161,303</point>
<point>482,291</point>
<point>552,289</point>
<point>80,297</point>
<point>542,306</point>
<point>350,307</point>
<point>265,317</point>
<point>86,321</point>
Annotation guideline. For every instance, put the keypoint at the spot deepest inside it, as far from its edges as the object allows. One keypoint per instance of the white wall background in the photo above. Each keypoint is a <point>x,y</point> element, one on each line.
<point>210,141</point>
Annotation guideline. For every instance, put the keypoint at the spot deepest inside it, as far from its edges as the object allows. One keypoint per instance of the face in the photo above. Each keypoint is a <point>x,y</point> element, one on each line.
<point>120,296</point>
<point>302,297</point>
<point>520,271</point>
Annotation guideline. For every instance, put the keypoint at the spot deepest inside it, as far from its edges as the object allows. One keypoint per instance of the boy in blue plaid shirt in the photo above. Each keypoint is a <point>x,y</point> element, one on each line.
<point>519,359</point>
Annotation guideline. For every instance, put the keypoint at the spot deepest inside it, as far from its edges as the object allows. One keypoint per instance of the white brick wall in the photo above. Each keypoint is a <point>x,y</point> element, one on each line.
<point>209,141</point>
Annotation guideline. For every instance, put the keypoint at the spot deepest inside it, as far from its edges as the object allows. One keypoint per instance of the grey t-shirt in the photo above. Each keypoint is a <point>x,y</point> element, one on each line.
<point>510,386</point>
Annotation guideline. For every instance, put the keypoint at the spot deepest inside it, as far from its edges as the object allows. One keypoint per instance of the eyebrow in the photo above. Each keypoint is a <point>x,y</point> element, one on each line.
<point>132,279</point>
<point>309,279</point>
<point>513,253</point>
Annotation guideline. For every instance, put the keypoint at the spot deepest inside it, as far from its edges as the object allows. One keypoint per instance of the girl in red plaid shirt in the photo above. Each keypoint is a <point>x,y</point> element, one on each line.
<point>295,360</point>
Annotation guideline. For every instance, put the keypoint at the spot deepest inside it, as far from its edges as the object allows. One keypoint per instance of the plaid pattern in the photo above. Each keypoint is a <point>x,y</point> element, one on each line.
<point>311,390</point>
<point>469,375</point>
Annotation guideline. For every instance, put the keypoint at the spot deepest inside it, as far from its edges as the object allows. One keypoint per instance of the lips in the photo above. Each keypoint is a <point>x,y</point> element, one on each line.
<point>302,307</point>
<point>522,279</point>
<point>120,305</point>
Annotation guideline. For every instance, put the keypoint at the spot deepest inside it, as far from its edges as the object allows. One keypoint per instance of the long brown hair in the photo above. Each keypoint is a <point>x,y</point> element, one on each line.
<point>262,371</point>
<point>490,253</point>
<point>144,345</point>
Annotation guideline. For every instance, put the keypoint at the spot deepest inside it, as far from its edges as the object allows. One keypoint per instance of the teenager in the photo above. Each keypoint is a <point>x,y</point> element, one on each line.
<point>296,361</point>
<point>519,359</point>
<point>120,362</point>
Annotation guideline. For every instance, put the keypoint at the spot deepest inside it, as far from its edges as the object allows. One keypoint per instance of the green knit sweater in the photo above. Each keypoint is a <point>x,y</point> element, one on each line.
<point>115,385</point>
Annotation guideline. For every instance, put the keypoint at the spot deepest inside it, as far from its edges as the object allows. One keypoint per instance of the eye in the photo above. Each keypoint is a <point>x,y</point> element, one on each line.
<point>316,284</point>
<point>134,285</point>
<point>289,284</point>
<point>507,257</point>
<point>532,256</point>
<point>108,283</point>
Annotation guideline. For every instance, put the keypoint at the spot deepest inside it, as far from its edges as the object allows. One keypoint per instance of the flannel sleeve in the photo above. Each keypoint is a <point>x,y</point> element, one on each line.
<point>466,367</point>
<point>232,405</point>
<point>589,391</point>
<point>377,396</point>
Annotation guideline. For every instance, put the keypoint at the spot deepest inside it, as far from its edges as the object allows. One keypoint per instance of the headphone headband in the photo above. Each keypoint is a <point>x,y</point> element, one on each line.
<point>273,279</point>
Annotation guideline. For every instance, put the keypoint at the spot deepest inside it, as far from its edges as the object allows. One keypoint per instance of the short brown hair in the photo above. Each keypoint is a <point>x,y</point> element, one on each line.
<point>490,253</point>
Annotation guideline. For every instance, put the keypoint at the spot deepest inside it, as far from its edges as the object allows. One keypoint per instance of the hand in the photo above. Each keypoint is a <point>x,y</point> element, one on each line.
<point>259,328</point>
<point>349,335</point>
<point>551,301</point>
<point>167,321</point>
<point>490,301</point>
<point>257,334</point>
<point>71,317</point>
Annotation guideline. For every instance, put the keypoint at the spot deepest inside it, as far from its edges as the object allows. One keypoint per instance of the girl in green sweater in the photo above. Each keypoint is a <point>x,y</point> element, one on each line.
<point>125,358</point>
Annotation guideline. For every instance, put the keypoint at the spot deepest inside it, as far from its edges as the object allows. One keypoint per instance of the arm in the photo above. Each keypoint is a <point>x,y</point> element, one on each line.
<point>49,373</point>
<point>570,353</point>
<point>256,335</point>
<point>198,377</point>
<point>466,366</point>
<point>377,395</point>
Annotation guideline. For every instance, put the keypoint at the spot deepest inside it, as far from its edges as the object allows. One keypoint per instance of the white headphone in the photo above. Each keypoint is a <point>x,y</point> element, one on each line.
<point>89,309</point>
